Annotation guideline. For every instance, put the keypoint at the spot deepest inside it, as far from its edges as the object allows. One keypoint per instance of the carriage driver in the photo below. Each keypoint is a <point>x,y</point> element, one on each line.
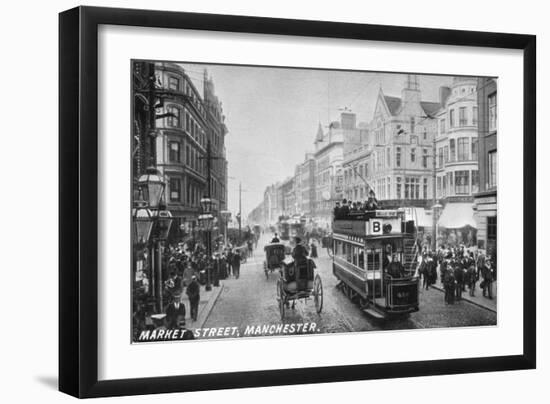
<point>275,239</point>
<point>299,253</point>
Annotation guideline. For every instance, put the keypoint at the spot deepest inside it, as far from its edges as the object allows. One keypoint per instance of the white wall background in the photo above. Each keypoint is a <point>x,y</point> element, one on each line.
<point>28,336</point>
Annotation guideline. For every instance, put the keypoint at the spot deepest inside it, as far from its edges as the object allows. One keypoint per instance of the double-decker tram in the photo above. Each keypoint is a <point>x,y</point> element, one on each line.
<point>374,257</point>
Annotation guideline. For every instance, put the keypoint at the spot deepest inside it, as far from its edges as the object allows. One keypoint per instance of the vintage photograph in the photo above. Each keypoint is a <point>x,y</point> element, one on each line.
<point>272,201</point>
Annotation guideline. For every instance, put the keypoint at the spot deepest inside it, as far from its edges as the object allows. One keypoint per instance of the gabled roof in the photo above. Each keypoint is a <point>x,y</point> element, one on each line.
<point>430,108</point>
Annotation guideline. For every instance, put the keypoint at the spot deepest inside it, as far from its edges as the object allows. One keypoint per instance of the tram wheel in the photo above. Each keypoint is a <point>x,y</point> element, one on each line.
<point>318,293</point>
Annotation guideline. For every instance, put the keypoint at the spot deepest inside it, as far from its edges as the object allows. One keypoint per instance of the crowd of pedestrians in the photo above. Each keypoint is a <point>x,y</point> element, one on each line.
<point>460,270</point>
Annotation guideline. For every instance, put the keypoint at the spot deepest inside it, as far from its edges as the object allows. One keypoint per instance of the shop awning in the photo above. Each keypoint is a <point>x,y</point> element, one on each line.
<point>457,215</point>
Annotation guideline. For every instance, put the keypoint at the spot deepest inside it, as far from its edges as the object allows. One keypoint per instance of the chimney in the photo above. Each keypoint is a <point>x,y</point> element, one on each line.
<point>348,120</point>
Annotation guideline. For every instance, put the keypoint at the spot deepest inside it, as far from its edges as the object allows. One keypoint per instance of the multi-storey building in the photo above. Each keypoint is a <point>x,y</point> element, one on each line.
<point>457,175</point>
<point>393,154</point>
<point>190,124</point>
<point>216,132</point>
<point>306,188</point>
<point>329,155</point>
<point>486,199</point>
<point>289,197</point>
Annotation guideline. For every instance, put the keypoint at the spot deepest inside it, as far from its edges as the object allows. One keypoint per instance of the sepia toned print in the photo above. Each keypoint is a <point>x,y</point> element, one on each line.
<point>272,201</point>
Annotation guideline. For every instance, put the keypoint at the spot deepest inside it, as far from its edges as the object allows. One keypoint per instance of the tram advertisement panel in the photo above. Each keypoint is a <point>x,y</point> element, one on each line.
<point>271,202</point>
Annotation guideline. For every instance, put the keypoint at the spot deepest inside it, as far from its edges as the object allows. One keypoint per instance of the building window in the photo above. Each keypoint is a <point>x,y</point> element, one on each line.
<point>474,116</point>
<point>173,83</point>
<point>425,188</point>
<point>398,156</point>
<point>388,186</point>
<point>444,185</point>
<point>413,155</point>
<point>462,182</point>
<point>462,149</point>
<point>475,181</point>
<point>438,181</point>
<point>452,149</point>
<point>474,148</point>
<point>442,126</point>
<point>174,152</point>
<point>412,188</point>
<point>187,156</point>
<point>440,156</point>
<point>173,119</point>
<point>175,189</point>
<point>446,154</point>
<point>398,188</point>
<point>452,118</point>
<point>425,134</point>
<point>425,158</point>
<point>462,120</point>
<point>388,157</point>
<point>492,163</point>
<point>492,101</point>
<point>412,124</point>
<point>187,122</point>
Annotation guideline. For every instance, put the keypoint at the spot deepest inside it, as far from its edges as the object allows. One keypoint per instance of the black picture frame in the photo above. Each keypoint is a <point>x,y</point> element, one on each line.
<point>78,196</point>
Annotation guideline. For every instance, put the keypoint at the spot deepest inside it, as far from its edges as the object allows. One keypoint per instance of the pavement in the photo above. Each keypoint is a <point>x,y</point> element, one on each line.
<point>478,300</point>
<point>207,301</point>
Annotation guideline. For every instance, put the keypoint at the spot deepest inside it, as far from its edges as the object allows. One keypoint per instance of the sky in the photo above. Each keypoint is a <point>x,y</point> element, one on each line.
<point>272,115</point>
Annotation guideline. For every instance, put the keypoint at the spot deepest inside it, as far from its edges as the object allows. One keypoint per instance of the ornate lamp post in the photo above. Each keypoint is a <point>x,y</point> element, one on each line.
<point>206,219</point>
<point>148,211</point>
<point>143,221</point>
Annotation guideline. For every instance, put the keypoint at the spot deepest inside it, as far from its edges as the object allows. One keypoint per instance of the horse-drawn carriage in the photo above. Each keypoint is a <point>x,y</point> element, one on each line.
<point>298,281</point>
<point>274,256</point>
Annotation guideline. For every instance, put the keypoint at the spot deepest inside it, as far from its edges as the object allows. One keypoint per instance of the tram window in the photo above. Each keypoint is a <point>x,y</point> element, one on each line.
<point>354,256</point>
<point>348,252</point>
<point>361,258</point>
<point>373,260</point>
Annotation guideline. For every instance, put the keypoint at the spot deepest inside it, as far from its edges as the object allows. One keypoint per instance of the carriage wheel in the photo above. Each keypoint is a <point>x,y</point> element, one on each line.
<point>282,299</point>
<point>318,293</point>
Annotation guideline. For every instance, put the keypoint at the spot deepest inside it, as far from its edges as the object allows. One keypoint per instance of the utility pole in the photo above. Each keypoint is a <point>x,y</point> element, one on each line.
<point>240,206</point>
<point>434,195</point>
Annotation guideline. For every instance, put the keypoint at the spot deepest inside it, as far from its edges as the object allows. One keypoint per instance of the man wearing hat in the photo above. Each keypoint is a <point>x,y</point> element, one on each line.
<point>488,278</point>
<point>193,292</point>
<point>175,312</point>
<point>372,202</point>
<point>299,253</point>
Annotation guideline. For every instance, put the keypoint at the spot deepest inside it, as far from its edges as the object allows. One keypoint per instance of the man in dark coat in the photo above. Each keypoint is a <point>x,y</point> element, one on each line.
<point>459,280</point>
<point>175,313</point>
<point>236,264</point>
<point>449,285</point>
<point>299,253</point>
<point>193,293</point>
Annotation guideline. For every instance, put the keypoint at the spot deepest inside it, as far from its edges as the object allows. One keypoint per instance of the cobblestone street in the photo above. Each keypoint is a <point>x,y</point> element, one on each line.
<point>251,300</point>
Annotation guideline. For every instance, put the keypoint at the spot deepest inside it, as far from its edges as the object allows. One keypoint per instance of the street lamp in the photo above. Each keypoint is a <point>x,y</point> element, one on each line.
<point>148,211</point>
<point>206,221</point>
<point>143,221</point>
<point>152,185</point>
